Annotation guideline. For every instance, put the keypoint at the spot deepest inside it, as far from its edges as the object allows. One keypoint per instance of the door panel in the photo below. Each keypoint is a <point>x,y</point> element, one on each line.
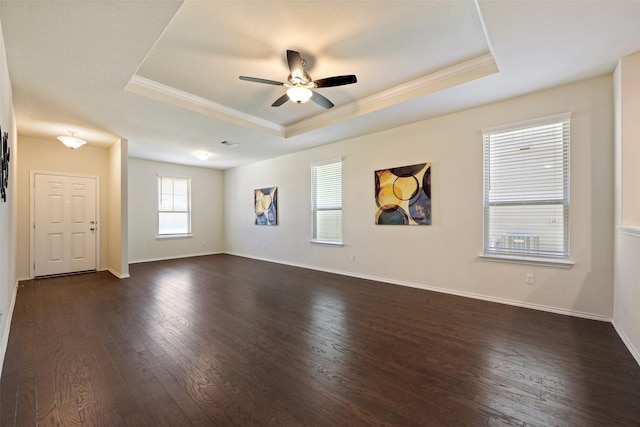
<point>55,247</point>
<point>78,212</point>
<point>78,246</point>
<point>65,224</point>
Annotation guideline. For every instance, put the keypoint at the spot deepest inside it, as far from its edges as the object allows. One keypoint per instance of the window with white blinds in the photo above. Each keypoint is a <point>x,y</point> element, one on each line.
<point>526,189</point>
<point>326,201</point>
<point>174,206</point>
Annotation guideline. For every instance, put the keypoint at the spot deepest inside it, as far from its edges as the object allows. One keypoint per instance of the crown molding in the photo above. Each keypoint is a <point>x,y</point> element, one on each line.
<point>152,89</point>
<point>445,78</point>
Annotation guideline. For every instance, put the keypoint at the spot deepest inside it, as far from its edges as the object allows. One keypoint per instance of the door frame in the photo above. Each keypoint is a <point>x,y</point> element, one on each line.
<point>32,215</point>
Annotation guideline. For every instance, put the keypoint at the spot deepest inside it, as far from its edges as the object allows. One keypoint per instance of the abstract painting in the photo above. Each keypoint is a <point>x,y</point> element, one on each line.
<point>403,195</point>
<point>266,205</point>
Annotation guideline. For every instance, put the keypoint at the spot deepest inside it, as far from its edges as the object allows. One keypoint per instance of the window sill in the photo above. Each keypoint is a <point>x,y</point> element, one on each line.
<point>174,236</point>
<point>326,243</point>
<point>546,262</point>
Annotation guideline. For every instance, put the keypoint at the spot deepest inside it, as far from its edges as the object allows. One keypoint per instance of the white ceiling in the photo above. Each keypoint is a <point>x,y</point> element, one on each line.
<point>163,74</point>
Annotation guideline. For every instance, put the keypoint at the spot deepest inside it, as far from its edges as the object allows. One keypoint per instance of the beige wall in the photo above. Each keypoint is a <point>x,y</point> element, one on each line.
<point>444,255</point>
<point>629,67</point>
<point>8,209</point>
<point>52,156</point>
<point>118,216</point>
<point>207,222</point>
<point>626,317</point>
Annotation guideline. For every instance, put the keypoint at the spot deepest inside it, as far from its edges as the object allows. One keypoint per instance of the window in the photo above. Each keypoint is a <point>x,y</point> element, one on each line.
<point>526,189</point>
<point>326,201</point>
<point>174,206</point>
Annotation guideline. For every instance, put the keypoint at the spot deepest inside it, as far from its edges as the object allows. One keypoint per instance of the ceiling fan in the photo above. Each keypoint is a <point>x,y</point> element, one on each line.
<point>299,83</point>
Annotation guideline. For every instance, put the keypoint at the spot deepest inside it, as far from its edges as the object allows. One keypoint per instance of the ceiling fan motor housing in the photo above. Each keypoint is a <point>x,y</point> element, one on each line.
<point>304,81</point>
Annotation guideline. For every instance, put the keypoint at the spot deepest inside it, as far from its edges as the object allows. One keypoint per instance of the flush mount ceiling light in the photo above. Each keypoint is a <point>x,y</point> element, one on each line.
<point>72,141</point>
<point>202,155</point>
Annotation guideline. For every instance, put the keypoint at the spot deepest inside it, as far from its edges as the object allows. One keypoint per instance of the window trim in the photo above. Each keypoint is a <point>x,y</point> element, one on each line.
<point>562,261</point>
<point>165,236</point>
<point>313,239</point>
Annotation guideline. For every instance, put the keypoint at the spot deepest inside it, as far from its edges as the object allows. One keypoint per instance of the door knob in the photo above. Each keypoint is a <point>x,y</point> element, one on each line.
<point>92,228</point>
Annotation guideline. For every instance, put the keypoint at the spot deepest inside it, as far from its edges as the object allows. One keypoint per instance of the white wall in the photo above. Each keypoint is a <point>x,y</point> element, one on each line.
<point>8,210</point>
<point>207,223</point>
<point>626,316</point>
<point>445,254</point>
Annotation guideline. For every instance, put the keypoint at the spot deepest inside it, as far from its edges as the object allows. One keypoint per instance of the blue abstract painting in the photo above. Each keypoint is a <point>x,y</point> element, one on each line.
<point>266,206</point>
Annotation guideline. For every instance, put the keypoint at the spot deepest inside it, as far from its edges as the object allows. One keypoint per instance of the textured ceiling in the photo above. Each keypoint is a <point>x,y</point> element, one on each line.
<point>164,74</point>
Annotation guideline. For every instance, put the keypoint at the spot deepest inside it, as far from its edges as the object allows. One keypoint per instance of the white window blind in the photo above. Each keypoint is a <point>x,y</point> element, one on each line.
<point>326,201</point>
<point>526,189</point>
<point>174,206</point>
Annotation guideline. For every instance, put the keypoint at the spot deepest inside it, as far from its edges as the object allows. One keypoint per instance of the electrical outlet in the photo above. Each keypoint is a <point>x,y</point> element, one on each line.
<point>528,278</point>
<point>264,246</point>
<point>352,257</point>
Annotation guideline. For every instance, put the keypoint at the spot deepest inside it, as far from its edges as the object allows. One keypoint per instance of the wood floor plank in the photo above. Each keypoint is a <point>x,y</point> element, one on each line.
<point>225,340</point>
<point>69,416</point>
<point>90,415</point>
<point>26,404</point>
<point>195,414</point>
<point>47,409</point>
<point>113,419</point>
<point>99,391</point>
<point>8,397</point>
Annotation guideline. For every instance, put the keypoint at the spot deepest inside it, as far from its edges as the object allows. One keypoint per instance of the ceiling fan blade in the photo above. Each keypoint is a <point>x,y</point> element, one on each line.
<point>321,100</point>
<point>284,98</point>
<point>257,80</point>
<point>336,81</point>
<point>295,64</point>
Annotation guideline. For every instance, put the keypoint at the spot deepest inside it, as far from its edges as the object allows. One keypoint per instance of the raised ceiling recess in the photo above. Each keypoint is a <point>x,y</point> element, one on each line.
<point>399,53</point>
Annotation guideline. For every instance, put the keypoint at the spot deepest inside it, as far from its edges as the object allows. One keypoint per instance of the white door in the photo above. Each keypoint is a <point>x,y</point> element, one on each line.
<point>65,224</point>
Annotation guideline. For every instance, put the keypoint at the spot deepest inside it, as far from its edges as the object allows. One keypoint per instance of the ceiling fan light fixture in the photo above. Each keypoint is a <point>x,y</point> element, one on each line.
<point>72,141</point>
<point>299,83</point>
<point>299,94</point>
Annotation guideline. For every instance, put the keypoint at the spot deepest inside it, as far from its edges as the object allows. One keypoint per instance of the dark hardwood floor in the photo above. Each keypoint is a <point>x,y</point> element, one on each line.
<point>223,341</point>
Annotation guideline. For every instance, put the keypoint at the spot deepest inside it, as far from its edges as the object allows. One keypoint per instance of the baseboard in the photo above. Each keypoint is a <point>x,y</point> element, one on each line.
<point>523,304</point>
<point>627,342</point>
<point>115,273</point>
<point>137,261</point>
<point>7,328</point>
